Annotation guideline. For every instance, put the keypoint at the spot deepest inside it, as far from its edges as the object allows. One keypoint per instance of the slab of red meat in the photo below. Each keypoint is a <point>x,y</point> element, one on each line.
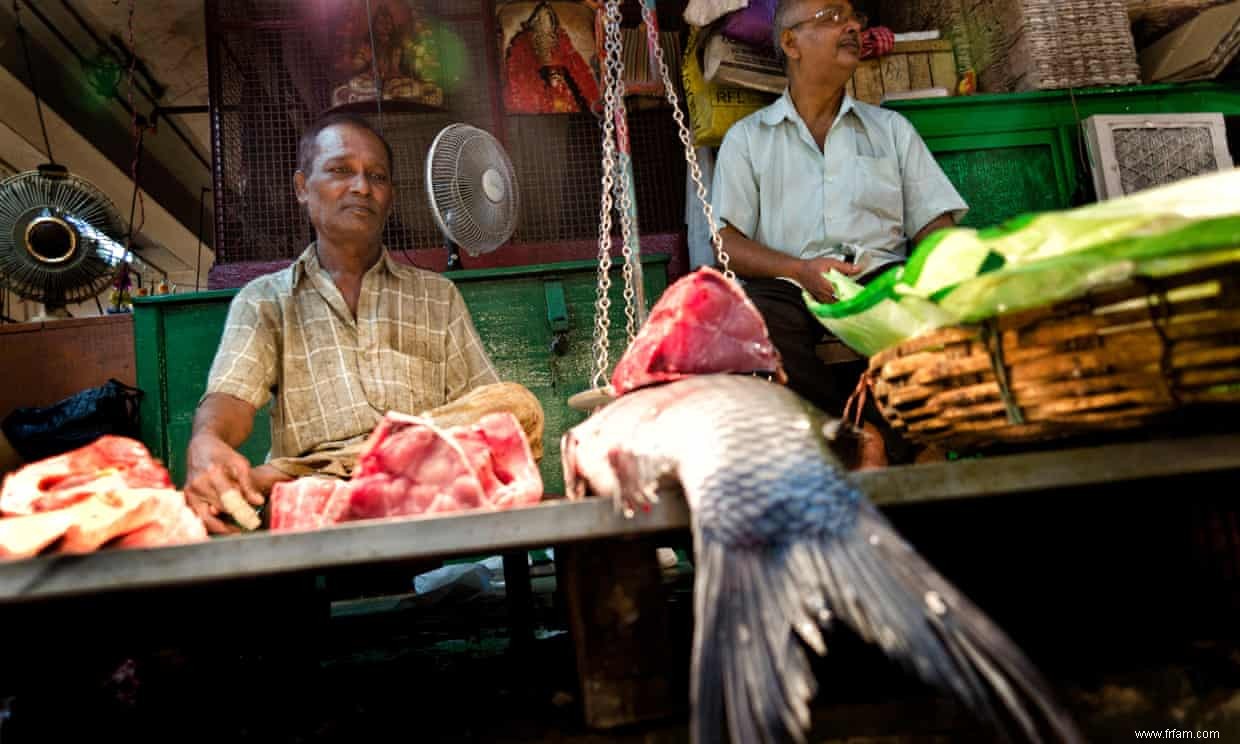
<point>63,480</point>
<point>703,324</point>
<point>174,524</point>
<point>308,503</point>
<point>410,467</point>
<point>501,456</point>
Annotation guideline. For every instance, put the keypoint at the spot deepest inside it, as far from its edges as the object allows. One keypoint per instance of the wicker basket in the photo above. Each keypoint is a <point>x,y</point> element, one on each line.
<point>1017,45</point>
<point>1114,359</point>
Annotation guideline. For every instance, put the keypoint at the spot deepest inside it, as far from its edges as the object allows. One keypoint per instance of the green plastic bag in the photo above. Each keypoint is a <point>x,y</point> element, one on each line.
<point>961,275</point>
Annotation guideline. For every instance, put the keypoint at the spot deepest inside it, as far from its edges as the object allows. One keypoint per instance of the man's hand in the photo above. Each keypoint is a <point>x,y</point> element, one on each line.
<point>214,470</point>
<point>811,275</point>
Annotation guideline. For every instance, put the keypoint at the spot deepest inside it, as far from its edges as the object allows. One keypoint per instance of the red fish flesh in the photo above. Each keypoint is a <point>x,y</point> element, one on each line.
<point>703,324</point>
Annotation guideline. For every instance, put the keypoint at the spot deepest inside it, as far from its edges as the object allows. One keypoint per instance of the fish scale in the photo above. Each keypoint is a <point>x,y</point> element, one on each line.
<point>785,544</point>
<point>778,480</point>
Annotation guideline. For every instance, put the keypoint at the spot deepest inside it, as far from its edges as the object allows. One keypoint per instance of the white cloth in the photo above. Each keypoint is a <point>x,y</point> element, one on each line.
<point>706,12</point>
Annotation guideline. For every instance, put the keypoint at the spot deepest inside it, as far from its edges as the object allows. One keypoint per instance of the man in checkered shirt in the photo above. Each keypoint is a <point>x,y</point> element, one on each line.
<point>335,340</point>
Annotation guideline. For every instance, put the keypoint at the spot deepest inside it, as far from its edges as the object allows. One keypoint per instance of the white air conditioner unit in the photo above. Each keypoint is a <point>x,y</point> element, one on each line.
<point>1134,152</point>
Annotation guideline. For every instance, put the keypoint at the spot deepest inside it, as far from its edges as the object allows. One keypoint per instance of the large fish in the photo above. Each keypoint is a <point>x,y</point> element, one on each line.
<point>785,544</point>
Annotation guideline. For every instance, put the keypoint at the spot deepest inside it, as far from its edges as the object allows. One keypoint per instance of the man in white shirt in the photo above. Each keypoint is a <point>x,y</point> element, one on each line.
<point>818,181</point>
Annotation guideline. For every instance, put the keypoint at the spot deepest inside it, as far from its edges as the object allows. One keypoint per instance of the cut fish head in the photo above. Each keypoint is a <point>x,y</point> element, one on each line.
<point>703,324</point>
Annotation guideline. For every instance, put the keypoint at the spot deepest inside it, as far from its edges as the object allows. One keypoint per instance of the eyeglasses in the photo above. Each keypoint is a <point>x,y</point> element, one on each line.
<point>834,16</point>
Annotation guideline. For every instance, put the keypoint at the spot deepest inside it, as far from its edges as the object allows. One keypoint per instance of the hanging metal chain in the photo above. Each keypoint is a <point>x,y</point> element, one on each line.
<point>686,139</point>
<point>623,184</point>
<point>602,305</point>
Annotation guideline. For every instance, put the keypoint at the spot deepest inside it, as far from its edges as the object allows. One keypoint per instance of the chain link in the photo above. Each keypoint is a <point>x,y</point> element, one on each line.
<point>623,183</point>
<point>617,192</point>
<point>686,139</point>
<point>602,307</point>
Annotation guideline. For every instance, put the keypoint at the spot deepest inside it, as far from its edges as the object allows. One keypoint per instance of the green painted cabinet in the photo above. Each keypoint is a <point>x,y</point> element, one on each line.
<point>1010,153</point>
<point>175,338</point>
<point>537,323</point>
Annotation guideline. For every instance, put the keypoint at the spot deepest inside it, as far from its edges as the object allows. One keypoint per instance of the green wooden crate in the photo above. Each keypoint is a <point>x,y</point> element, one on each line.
<point>519,312</point>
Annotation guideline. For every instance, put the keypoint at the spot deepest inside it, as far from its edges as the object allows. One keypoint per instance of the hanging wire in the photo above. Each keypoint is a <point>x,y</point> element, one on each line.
<point>202,200</point>
<point>34,85</point>
<point>140,126</point>
<point>374,66</point>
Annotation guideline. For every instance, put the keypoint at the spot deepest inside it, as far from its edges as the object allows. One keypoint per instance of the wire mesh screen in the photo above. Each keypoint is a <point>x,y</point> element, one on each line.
<point>1151,157</point>
<point>558,160</point>
<point>271,78</point>
<point>1000,183</point>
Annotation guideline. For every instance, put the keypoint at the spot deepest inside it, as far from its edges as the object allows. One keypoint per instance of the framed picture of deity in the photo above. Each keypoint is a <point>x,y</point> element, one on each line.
<point>548,63</point>
<point>402,57</point>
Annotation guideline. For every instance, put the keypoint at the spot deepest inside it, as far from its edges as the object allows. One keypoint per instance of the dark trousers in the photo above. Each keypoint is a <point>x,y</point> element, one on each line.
<point>796,333</point>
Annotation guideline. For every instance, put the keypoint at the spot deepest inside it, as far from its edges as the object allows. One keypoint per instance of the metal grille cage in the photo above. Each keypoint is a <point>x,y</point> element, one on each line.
<point>1151,157</point>
<point>270,79</point>
<point>1131,152</point>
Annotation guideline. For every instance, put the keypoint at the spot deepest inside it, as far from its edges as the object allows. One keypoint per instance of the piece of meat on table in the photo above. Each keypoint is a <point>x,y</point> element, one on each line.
<point>24,537</point>
<point>501,457</point>
<point>703,324</point>
<point>140,517</point>
<point>411,467</point>
<point>108,515</point>
<point>174,524</point>
<point>61,481</point>
<point>308,503</point>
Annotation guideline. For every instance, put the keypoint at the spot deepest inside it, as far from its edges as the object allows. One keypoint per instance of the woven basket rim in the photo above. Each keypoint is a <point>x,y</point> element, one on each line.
<point>1113,358</point>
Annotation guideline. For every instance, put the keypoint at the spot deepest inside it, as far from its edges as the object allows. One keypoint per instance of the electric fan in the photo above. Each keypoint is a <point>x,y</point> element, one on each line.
<point>472,190</point>
<point>61,239</point>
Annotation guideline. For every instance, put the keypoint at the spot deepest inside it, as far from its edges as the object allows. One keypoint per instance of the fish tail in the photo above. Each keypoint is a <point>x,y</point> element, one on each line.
<point>882,588</point>
<point>747,662</point>
<point>759,607</point>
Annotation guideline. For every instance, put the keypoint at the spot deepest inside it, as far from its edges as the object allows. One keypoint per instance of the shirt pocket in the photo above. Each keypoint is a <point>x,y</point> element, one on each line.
<point>879,189</point>
<point>405,382</point>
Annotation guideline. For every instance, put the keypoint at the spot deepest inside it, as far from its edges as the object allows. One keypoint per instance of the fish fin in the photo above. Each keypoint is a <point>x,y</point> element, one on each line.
<point>882,588</point>
<point>574,483</point>
<point>637,479</point>
<point>746,655</point>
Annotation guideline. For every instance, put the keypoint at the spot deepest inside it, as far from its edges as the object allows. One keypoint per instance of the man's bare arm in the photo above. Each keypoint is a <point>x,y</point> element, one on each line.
<point>751,259</point>
<point>938,223</point>
<point>214,466</point>
<point>228,418</point>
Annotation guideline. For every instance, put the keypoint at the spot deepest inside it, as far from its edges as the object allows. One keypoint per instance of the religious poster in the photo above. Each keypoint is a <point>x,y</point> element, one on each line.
<point>402,56</point>
<point>548,56</point>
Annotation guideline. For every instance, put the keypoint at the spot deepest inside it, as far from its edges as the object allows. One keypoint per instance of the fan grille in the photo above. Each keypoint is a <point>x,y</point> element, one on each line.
<point>61,239</point>
<point>472,188</point>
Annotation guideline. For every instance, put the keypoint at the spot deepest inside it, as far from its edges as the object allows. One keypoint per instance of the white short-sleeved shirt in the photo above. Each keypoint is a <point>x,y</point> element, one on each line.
<point>874,185</point>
